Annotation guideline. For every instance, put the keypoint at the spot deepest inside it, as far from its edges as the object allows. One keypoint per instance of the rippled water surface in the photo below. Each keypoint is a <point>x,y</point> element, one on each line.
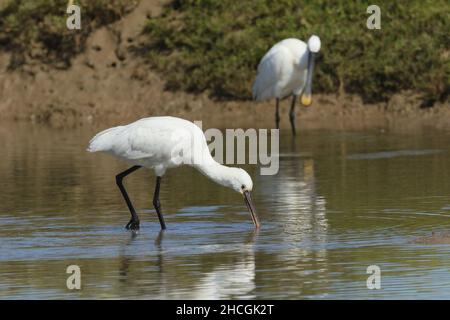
<point>342,201</point>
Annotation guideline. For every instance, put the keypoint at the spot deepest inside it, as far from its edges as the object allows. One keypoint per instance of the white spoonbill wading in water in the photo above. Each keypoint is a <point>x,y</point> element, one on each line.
<point>160,143</point>
<point>287,69</point>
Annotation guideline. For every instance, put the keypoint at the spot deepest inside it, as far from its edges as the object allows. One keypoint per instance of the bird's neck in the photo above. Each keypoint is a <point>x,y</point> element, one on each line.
<point>218,173</point>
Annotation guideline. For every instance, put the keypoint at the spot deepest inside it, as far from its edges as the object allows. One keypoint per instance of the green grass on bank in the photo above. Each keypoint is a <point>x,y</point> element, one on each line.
<point>215,46</point>
<point>35,30</point>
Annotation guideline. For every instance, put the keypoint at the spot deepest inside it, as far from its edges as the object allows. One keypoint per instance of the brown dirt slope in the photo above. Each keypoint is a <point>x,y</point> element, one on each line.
<point>108,85</point>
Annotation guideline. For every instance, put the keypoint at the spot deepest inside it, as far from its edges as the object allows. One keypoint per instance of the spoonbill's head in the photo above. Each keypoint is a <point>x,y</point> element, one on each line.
<point>242,183</point>
<point>313,49</point>
<point>314,44</point>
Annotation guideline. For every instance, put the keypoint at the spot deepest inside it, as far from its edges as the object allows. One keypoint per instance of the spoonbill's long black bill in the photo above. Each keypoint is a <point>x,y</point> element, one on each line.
<point>251,208</point>
<point>306,96</point>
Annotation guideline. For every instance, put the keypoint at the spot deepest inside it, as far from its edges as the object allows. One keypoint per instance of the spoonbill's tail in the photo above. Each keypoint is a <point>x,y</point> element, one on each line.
<point>103,140</point>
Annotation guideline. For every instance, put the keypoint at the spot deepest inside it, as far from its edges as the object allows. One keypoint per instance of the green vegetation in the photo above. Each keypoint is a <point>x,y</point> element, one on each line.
<point>36,29</point>
<point>215,46</point>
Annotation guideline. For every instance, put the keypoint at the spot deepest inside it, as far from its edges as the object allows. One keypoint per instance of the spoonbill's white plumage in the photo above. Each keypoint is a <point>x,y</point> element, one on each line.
<point>286,69</point>
<point>161,143</point>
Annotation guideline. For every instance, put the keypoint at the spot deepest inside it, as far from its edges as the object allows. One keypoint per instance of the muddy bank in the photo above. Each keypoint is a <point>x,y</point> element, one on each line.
<point>442,237</point>
<point>110,84</point>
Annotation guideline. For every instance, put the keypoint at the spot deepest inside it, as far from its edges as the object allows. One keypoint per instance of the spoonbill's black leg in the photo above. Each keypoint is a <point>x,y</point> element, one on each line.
<point>292,114</point>
<point>157,204</point>
<point>277,114</point>
<point>134,222</point>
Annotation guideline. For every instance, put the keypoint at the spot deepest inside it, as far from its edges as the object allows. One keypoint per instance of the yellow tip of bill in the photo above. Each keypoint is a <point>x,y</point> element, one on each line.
<point>306,100</point>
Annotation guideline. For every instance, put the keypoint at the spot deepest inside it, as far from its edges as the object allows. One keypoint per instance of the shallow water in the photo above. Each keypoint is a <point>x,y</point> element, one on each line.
<point>342,201</point>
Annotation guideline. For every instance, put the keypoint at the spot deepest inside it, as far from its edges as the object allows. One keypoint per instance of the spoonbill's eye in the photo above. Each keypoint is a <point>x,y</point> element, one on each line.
<point>242,187</point>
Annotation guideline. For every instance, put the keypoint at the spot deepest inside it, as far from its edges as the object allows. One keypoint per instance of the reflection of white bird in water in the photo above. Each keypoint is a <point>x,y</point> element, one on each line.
<point>229,281</point>
<point>297,201</point>
<point>160,143</point>
<point>232,278</point>
<point>287,69</point>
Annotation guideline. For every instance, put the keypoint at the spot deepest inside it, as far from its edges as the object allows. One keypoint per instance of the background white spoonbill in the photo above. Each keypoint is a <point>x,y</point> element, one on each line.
<point>287,69</point>
<point>160,143</point>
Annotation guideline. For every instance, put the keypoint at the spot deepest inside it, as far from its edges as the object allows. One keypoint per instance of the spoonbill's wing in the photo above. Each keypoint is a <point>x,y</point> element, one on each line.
<point>158,140</point>
<point>274,73</point>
